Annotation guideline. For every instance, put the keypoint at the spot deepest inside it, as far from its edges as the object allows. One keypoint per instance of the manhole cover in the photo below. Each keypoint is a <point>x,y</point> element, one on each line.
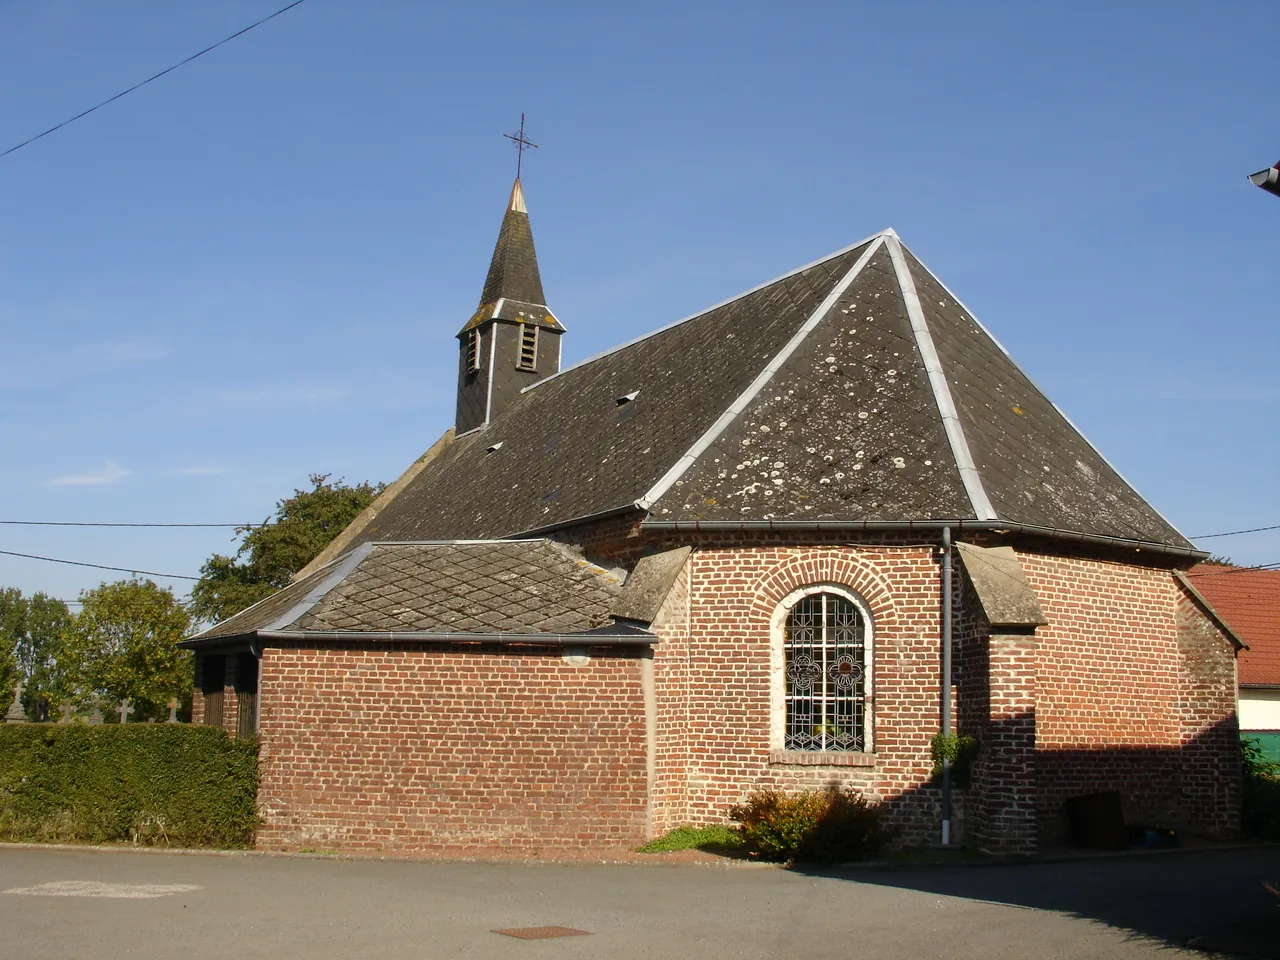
<point>542,933</point>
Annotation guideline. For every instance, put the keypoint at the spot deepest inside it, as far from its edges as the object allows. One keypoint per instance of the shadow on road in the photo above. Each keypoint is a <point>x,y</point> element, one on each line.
<point>1171,898</point>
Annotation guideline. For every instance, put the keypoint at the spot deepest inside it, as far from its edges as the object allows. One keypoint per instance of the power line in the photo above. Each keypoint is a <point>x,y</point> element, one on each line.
<point>98,106</point>
<point>99,566</point>
<point>1232,533</point>
<point>77,523</point>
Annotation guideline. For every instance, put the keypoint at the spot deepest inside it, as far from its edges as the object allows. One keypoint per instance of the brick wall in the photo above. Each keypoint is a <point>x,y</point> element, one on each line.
<point>1209,760</point>
<point>1124,695</point>
<point>1112,694</point>
<point>616,539</point>
<point>1006,785</point>
<point>389,747</point>
<point>671,657</point>
<point>1129,687</point>
<point>725,679</point>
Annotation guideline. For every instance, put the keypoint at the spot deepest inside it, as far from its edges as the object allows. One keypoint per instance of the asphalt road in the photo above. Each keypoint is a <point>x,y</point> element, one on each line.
<point>104,905</point>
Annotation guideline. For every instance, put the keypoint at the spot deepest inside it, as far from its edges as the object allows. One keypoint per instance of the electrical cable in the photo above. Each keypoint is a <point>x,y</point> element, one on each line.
<point>78,523</point>
<point>99,566</point>
<point>1232,533</point>
<point>123,93</point>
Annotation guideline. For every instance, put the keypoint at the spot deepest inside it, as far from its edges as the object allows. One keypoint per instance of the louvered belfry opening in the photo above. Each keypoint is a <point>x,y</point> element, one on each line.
<point>528,347</point>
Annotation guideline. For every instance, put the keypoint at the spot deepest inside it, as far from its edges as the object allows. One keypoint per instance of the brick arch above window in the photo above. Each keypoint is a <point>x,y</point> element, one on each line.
<point>805,568</point>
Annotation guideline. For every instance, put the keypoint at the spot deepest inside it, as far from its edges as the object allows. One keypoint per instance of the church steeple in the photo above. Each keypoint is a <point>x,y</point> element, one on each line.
<point>513,339</point>
<point>513,271</point>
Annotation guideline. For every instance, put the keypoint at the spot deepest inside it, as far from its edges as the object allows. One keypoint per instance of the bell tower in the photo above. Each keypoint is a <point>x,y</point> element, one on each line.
<point>513,339</point>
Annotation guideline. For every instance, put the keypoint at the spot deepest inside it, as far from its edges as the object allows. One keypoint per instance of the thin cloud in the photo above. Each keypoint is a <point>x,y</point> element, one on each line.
<point>111,472</point>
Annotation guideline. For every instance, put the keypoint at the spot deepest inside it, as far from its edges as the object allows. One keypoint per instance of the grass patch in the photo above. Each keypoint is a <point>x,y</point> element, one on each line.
<point>717,839</point>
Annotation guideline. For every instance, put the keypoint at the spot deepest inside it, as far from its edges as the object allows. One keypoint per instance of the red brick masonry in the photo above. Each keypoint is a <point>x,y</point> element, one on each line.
<point>1130,688</point>
<point>429,748</point>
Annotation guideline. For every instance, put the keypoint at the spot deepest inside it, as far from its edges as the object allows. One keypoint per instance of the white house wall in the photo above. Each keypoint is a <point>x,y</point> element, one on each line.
<point>1259,709</point>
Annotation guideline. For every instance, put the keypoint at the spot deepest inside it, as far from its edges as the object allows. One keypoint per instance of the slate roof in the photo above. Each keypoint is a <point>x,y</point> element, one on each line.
<point>512,587</point>
<point>1249,600</point>
<point>854,390</point>
<point>513,287</point>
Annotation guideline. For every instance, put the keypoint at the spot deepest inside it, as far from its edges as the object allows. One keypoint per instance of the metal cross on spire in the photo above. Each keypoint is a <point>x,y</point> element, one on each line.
<point>521,143</point>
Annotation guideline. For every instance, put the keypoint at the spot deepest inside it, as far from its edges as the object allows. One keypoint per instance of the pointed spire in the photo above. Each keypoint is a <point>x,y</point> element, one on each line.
<point>513,288</point>
<point>516,203</point>
<point>513,271</point>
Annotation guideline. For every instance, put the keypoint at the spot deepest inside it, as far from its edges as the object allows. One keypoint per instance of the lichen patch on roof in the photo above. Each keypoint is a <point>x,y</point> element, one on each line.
<point>847,428</point>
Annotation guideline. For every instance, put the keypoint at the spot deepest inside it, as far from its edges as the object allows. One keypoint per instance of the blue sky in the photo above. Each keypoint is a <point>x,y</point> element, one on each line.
<point>252,269</point>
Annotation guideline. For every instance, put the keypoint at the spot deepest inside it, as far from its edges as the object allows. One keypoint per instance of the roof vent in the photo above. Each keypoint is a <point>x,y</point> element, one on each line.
<point>495,448</point>
<point>627,398</point>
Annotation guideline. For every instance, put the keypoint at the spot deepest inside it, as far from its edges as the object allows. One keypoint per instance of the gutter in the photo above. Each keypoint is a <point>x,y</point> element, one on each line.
<point>924,526</point>
<point>638,638</point>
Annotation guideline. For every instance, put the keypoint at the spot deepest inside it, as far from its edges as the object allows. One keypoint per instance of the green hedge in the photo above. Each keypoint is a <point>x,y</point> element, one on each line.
<point>155,784</point>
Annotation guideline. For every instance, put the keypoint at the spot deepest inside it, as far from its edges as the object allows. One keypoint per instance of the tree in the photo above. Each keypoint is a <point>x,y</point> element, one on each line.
<point>121,645</point>
<point>270,554</point>
<point>30,633</point>
<point>13,618</point>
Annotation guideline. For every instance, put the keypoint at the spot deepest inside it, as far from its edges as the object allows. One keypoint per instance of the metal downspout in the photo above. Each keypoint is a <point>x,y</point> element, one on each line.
<point>946,683</point>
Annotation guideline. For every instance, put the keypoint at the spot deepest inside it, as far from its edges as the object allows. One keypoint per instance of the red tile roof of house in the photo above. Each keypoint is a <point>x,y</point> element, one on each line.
<point>1249,600</point>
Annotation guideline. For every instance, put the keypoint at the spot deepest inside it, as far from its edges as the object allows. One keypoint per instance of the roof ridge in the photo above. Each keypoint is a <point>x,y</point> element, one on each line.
<point>318,593</point>
<point>1062,413</point>
<point>258,603</point>
<point>951,424</point>
<point>887,232</point>
<point>454,543</point>
<point>740,403</point>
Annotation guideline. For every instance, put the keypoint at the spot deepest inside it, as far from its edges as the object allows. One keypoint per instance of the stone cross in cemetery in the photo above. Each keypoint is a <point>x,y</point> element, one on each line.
<point>67,710</point>
<point>16,714</point>
<point>124,710</point>
<point>173,711</point>
<point>95,717</point>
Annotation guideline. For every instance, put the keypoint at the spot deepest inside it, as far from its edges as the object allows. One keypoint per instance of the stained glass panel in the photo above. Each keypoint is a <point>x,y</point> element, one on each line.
<point>825,664</point>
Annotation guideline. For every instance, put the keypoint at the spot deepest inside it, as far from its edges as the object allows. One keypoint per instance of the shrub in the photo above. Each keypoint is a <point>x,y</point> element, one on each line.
<point>1259,792</point>
<point>154,784</point>
<point>961,749</point>
<point>816,826</point>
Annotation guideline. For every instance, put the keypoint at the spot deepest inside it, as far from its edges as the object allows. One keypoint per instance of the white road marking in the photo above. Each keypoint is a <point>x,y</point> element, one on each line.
<point>93,888</point>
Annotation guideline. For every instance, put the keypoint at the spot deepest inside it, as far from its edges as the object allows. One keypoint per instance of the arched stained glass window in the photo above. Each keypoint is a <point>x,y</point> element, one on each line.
<point>825,667</point>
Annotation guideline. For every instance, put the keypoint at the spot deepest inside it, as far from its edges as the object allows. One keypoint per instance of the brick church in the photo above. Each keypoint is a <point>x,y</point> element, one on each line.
<point>751,548</point>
